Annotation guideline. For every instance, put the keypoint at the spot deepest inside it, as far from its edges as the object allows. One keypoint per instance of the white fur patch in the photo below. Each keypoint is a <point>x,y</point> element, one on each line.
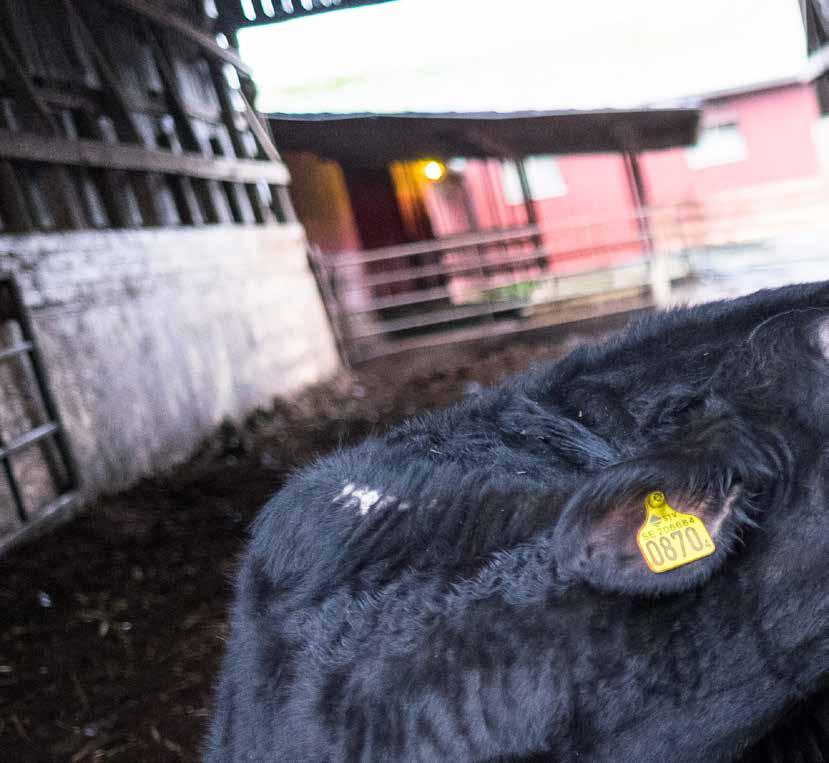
<point>347,490</point>
<point>363,498</point>
<point>367,498</point>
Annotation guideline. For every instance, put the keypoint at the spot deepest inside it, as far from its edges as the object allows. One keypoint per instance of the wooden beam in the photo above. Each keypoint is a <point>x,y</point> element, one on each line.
<point>229,113</point>
<point>163,56</point>
<point>29,147</point>
<point>112,87</point>
<point>203,198</point>
<point>16,215</point>
<point>20,86</point>
<point>60,190</point>
<point>252,202</point>
<point>150,204</point>
<point>166,19</point>
<point>259,131</point>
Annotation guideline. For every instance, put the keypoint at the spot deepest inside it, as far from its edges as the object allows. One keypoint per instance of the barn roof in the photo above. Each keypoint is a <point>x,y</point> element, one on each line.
<point>377,139</point>
<point>247,13</point>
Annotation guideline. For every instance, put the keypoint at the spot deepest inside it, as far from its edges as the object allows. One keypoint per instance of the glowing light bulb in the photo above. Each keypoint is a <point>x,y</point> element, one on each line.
<point>434,170</point>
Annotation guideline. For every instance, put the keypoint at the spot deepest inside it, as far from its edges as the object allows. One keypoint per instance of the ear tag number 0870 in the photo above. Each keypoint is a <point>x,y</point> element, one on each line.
<point>670,538</point>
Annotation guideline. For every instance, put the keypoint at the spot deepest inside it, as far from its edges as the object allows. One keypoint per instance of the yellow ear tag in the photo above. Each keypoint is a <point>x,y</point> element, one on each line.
<point>669,538</point>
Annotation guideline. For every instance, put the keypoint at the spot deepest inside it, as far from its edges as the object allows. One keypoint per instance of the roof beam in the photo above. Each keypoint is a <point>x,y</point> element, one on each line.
<point>30,147</point>
<point>163,17</point>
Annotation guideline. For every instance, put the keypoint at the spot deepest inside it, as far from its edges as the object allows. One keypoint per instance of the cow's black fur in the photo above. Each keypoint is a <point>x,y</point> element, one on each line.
<point>468,586</point>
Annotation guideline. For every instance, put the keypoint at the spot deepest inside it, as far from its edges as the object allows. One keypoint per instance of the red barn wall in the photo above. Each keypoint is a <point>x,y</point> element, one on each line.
<point>778,128</point>
<point>593,223</point>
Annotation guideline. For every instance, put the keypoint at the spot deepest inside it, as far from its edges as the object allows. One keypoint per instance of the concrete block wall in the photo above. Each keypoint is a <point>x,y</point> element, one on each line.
<point>151,337</point>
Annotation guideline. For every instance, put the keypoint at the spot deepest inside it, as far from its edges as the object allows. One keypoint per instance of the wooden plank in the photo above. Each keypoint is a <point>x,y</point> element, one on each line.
<point>218,210</point>
<point>87,153</point>
<point>260,198</point>
<point>119,194</point>
<point>118,109</point>
<point>114,188</point>
<point>162,16</point>
<point>63,193</point>
<point>56,185</point>
<point>229,113</point>
<point>207,196</point>
<point>247,200</point>
<point>240,203</point>
<point>15,213</point>
<point>284,207</point>
<point>163,55</point>
<point>151,206</point>
<point>187,201</point>
<point>259,131</point>
<point>21,87</point>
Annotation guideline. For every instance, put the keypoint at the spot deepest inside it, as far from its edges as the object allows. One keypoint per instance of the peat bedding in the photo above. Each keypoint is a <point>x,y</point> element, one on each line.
<point>112,627</point>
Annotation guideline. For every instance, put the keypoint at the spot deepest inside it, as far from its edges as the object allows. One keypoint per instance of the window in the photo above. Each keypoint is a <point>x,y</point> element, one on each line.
<point>543,175</point>
<point>718,144</point>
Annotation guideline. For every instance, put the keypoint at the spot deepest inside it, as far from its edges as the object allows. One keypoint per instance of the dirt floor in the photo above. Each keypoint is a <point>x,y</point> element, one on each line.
<point>111,628</point>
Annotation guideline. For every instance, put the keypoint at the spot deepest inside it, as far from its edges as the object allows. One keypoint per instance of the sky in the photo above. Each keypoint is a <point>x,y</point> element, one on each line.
<point>505,55</point>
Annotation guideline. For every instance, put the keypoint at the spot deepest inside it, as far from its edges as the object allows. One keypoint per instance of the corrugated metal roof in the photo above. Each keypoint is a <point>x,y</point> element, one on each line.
<point>377,139</point>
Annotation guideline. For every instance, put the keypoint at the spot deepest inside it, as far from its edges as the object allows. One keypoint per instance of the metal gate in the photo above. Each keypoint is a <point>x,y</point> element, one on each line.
<point>40,429</point>
<point>470,286</point>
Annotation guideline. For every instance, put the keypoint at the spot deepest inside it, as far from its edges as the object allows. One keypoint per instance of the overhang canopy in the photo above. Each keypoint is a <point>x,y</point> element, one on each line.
<point>247,13</point>
<point>378,139</point>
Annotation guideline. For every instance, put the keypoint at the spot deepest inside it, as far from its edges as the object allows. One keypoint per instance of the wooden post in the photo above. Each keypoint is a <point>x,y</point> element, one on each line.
<point>529,206</point>
<point>526,191</point>
<point>660,278</point>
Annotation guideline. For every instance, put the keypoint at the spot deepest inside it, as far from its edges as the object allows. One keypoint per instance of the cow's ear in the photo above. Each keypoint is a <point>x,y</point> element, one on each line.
<point>650,526</point>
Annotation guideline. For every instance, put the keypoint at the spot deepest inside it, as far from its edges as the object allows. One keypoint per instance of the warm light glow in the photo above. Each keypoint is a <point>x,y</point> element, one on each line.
<point>433,170</point>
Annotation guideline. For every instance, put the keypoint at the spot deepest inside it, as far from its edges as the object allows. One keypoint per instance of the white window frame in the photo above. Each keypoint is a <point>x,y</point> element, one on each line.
<point>543,175</point>
<point>719,144</point>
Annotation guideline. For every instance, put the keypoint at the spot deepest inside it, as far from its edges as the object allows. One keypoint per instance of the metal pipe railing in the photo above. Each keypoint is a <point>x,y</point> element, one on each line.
<point>487,274</point>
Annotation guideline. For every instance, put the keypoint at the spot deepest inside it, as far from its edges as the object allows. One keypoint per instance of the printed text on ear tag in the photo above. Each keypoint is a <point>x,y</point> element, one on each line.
<point>669,539</point>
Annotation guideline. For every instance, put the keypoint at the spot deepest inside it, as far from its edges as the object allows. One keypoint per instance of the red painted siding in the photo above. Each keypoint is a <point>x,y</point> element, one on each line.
<point>777,126</point>
<point>594,222</point>
<point>597,192</point>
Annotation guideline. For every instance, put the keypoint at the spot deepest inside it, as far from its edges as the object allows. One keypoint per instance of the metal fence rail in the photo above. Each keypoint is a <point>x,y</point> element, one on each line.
<point>34,386</point>
<point>471,285</point>
<point>387,300</point>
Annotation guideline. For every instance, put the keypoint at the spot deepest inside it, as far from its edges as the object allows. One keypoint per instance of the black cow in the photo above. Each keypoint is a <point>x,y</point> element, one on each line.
<point>480,581</point>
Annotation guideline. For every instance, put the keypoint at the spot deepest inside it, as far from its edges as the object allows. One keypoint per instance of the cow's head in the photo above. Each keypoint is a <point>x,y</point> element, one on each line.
<point>725,411</point>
